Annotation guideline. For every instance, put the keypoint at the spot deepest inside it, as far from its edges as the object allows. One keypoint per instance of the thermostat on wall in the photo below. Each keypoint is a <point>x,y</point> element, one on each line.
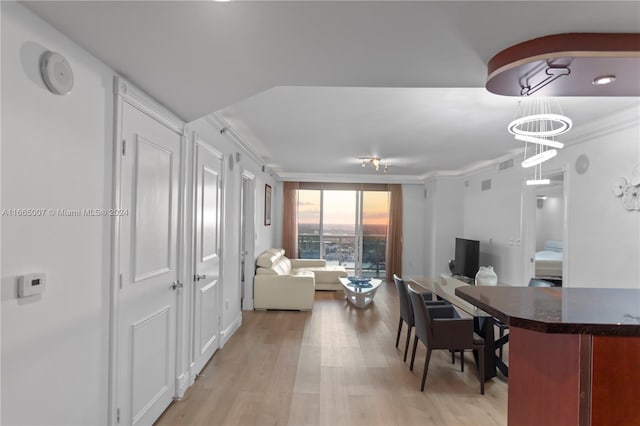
<point>31,284</point>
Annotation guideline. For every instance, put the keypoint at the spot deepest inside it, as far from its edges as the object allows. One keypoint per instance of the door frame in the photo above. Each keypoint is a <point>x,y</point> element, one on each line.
<point>249,239</point>
<point>125,92</point>
<point>528,225</point>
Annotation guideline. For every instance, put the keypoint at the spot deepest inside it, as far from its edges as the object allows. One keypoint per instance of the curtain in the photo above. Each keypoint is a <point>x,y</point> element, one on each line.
<point>394,233</point>
<point>290,220</point>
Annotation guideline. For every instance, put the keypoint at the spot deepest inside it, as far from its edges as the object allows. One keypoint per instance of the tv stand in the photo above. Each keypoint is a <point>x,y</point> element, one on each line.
<point>464,279</point>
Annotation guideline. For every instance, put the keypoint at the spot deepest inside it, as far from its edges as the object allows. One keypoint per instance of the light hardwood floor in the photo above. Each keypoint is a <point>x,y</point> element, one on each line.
<point>336,365</point>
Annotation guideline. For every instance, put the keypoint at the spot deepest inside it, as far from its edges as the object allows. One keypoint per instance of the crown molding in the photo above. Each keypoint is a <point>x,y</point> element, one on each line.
<point>475,168</point>
<point>225,128</point>
<point>604,126</point>
<point>145,103</point>
<point>349,178</point>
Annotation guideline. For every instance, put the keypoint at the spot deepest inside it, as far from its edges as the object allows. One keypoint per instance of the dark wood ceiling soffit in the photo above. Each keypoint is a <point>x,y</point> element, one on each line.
<point>567,64</point>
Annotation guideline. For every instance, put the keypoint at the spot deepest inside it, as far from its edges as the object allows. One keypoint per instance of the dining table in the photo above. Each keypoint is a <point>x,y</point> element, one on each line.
<point>483,323</point>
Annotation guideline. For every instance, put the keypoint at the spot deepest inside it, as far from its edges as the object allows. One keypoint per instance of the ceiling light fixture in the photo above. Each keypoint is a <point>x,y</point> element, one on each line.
<point>539,158</point>
<point>538,124</point>
<point>603,80</point>
<point>375,162</point>
<point>540,141</point>
<point>554,65</point>
<point>545,124</point>
<point>532,182</point>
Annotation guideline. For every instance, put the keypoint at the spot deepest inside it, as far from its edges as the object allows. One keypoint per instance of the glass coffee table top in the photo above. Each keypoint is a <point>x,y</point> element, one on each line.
<point>360,292</point>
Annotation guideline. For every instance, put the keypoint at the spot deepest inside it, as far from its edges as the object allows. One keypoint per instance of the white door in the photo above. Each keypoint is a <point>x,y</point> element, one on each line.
<point>208,184</point>
<point>247,238</point>
<point>150,190</point>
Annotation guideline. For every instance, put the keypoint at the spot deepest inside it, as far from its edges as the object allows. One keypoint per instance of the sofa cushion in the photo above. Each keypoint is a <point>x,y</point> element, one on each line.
<point>326,274</point>
<point>265,271</point>
<point>282,266</point>
<point>268,258</point>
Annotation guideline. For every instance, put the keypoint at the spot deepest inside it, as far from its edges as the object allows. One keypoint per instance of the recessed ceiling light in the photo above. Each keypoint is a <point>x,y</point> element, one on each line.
<point>603,79</point>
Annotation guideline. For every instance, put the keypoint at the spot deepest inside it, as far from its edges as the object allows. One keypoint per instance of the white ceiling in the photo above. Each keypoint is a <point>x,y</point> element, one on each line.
<point>314,85</point>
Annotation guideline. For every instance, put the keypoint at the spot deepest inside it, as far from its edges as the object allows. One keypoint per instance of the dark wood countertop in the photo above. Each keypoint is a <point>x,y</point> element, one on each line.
<point>600,311</point>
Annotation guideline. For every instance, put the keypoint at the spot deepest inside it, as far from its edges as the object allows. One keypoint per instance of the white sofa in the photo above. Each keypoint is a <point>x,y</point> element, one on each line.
<point>282,283</point>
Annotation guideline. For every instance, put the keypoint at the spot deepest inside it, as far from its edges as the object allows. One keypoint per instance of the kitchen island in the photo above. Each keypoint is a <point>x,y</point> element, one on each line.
<point>574,353</point>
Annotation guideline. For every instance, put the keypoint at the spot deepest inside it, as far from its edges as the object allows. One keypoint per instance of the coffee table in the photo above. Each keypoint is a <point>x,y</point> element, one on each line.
<point>360,296</point>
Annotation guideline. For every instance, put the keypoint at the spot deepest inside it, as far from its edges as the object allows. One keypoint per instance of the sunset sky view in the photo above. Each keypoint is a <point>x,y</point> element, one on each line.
<point>340,207</point>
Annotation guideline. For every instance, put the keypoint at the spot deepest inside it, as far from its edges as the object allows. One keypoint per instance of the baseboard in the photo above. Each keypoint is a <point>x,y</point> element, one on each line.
<point>247,305</point>
<point>182,384</point>
<point>192,373</point>
<point>231,329</point>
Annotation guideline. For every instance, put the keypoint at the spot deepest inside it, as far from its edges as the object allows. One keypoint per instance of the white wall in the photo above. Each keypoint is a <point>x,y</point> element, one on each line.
<point>55,154</point>
<point>603,245</point>
<point>443,222</point>
<point>604,238</point>
<point>493,217</point>
<point>429,229</point>
<point>413,259</point>
<point>448,225</point>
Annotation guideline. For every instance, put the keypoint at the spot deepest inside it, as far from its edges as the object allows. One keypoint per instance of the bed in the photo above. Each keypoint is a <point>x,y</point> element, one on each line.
<point>549,260</point>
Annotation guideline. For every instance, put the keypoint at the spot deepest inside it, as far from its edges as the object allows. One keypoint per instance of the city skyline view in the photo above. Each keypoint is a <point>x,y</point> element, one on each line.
<point>340,207</point>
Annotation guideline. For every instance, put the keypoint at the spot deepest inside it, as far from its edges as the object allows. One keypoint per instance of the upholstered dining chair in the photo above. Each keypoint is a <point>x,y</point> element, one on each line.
<point>437,329</point>
<point>406,311</point>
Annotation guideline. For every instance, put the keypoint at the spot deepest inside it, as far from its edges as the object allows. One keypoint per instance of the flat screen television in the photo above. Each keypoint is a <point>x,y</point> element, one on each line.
<point>467,260</point>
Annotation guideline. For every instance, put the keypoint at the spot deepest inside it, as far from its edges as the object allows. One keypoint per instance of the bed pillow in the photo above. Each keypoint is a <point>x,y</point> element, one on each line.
<point>553,245</point>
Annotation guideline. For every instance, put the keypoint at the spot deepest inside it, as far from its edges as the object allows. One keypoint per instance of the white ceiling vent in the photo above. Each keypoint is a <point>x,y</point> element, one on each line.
<point>507,164</point>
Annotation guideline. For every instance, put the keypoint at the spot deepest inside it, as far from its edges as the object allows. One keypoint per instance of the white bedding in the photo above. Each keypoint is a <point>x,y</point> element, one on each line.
<point>548,255</point>
<point>549,260</point>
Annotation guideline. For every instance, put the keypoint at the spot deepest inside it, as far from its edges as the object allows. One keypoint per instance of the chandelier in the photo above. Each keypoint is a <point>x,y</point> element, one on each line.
<point>537,125</point>
<point>375,162</point>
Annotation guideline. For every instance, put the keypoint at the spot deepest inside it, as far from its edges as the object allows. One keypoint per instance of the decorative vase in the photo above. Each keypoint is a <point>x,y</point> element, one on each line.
<point>486,276</point>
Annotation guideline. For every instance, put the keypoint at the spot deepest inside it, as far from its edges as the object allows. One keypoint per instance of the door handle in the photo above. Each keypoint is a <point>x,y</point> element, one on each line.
<point>176,285</point>
<point>199,277</point>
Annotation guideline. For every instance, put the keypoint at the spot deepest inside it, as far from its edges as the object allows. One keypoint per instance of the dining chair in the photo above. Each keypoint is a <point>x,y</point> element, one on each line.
<point>437,329</point>
<point>406,310</point>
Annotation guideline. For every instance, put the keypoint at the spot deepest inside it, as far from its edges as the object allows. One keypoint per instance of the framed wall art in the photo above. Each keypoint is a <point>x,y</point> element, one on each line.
<point>267,205</point>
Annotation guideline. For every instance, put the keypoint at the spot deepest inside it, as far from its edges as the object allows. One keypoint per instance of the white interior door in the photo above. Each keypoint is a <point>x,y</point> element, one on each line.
<point>247,240</point>
<point>208,184</point>
<point>528,202</point>
<point>150,185</point>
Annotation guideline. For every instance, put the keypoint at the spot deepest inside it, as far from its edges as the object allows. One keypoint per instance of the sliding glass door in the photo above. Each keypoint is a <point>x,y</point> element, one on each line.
<point>344,227</point>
